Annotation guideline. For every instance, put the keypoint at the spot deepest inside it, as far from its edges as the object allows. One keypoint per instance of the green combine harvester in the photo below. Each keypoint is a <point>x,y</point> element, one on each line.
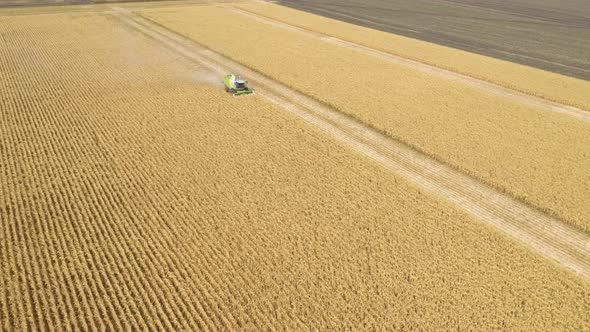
<point>236,85</point>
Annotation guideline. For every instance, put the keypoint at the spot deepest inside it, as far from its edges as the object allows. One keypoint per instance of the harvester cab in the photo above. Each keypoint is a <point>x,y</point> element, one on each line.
<point>236,85</point>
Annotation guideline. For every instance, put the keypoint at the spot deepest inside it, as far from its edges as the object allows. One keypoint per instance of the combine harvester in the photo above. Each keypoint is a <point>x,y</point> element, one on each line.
<point>236,85</point>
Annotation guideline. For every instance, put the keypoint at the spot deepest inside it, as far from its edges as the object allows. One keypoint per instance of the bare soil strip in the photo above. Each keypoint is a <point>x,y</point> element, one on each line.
<point>491,88</point>
<point>540,232</point>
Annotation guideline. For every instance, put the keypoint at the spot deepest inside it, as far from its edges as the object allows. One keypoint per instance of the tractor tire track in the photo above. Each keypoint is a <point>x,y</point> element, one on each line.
<point>491,88</point>
<point>542,233</point>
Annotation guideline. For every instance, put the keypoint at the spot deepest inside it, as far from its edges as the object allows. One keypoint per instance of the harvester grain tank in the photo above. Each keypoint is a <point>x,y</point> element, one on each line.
<point>236,85</point>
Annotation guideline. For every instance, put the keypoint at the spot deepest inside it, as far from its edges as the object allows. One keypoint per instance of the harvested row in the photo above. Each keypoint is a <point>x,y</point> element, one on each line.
<point>523,151</point>
<point>551,86</point>
<point>136,194</point>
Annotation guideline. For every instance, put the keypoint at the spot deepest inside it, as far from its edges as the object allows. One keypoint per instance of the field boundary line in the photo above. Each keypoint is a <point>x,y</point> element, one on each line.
<point>542,233</point>
<point>491,88</point>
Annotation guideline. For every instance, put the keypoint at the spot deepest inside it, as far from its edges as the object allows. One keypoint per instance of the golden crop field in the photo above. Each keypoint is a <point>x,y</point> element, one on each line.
<point>527,152</point>
<point>135,194</point>
<point>552,86</point>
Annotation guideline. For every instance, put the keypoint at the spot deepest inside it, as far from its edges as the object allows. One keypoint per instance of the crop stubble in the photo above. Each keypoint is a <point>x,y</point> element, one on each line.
<point>133,197</point>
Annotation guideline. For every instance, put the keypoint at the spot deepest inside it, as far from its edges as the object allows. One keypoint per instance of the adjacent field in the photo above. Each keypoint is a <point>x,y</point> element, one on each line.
<point>551,35</point>
<point>136,194</point>
<point>551,86</point>
<point>527,152</point>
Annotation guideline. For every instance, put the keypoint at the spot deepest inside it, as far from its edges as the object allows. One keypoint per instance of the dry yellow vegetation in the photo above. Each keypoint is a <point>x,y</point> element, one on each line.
<point>136,194</point>
<point>551,86</point>
<point>540,157</point>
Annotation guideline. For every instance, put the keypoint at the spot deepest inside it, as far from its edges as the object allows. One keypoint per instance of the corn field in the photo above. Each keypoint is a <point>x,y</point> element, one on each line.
<point>135,194</point>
